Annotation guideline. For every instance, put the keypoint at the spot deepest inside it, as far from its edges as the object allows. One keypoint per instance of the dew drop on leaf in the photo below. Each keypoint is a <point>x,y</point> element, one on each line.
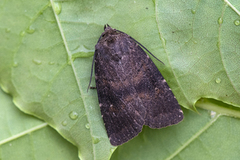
<point>73,115</point>
<point>96,140</point>
<point>64,123</point>
<point>213,114</point>
<point>36,61</point>
<point>220,20</point>
<point>69,61</point>
<point>87,126</point>
<point>30,30</point>
<point>164,41</point>
<point>218,80</point>
<point>15,64</point>
<point>237,22</point>
<point>57,8</point>
<point>22,33</point>
<point>112,150</point>
<point>193,11</point>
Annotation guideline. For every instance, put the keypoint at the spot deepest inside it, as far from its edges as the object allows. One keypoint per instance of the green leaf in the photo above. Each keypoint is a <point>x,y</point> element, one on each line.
<point>25,137</point>
<point>46,50</point>
<point>208,135</point>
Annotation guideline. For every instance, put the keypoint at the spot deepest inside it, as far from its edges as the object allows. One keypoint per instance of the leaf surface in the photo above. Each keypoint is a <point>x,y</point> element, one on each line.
<point>24,137</point>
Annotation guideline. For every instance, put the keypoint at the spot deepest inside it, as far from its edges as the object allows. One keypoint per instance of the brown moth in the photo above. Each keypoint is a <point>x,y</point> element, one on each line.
<point>131,90</point>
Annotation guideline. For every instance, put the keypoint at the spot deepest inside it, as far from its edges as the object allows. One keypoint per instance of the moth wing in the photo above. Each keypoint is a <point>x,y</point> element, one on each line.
<point>123,113</point>
<point>161,105</point>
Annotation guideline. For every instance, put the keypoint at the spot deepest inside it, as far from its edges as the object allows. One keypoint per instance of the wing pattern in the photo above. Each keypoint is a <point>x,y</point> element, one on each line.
<point>131,90</point>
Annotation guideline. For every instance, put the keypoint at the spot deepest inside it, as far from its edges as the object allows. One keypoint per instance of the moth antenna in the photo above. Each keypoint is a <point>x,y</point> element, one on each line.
<point>142,47</point>
<point>100,37</point>
<point>91,71</point>
<point>147,50</point>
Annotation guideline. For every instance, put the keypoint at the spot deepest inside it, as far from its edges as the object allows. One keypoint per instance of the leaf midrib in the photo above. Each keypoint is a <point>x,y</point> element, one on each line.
<point>74,70</point>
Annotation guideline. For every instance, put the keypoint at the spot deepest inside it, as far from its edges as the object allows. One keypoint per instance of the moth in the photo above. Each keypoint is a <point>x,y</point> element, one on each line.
<point>131,90</point>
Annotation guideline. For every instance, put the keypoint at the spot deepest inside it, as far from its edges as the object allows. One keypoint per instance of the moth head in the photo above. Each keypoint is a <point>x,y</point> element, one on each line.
<point>106,26</point>
<point>108,30</point>
<point>108,34</point>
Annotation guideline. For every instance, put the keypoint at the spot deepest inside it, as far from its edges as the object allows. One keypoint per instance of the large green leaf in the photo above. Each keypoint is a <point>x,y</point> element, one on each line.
<point>46,53</point>
<point>25,137</point>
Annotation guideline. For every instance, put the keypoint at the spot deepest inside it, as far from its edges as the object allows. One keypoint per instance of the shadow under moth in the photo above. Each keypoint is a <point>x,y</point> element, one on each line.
<point>131,90</point>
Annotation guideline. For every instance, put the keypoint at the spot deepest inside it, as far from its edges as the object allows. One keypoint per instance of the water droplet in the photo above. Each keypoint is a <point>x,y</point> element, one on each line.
<point>10,144</point>
<point>73,115</point>
<point>87,126</point>
<point>213,114</point>
<point>57,8</point>
<point>112,150</point>
<point>51,63</point>
<point>81,51</point>
<point>30,30</point>
<point>237,22</point>
<point>134,1</point>
<point>36,61</point>
<point>193,11</point>
<point>96,140</point>
<point>195,42</point>
<point>220,20</point>
<point>218,80</point>
<point>8,30</point>
<point>69,60</point>
<point>15,64</point>
<point>64,123</point>
<point>164,41</point>
<point>22,33</point>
